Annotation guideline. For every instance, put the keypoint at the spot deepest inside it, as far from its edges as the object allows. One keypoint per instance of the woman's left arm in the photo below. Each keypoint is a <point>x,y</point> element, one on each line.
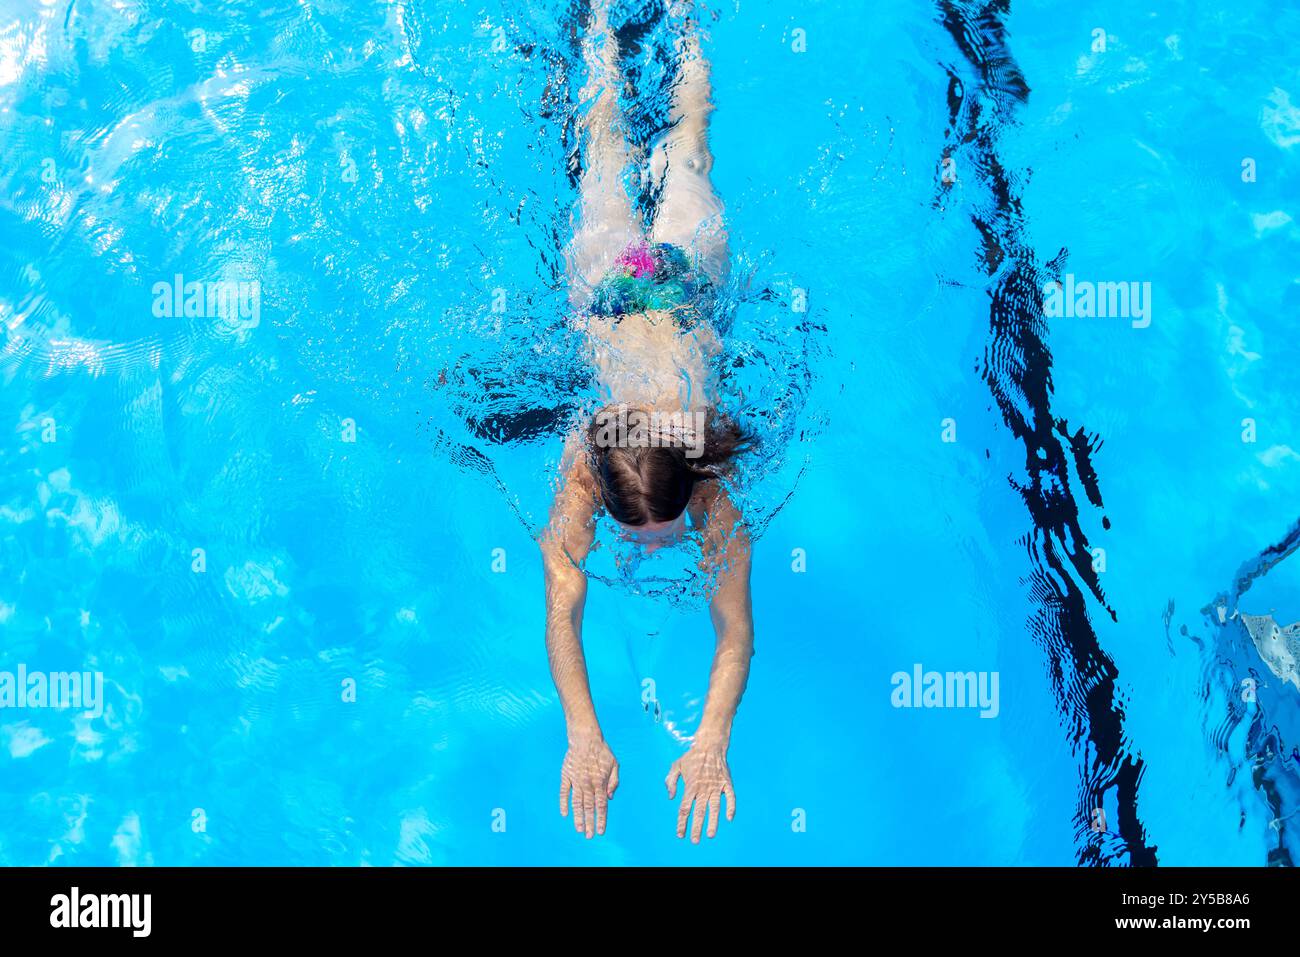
<point>727,551</point>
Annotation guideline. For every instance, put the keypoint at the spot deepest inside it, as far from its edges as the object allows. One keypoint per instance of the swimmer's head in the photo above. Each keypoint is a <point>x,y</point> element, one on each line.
<point>646,466</point>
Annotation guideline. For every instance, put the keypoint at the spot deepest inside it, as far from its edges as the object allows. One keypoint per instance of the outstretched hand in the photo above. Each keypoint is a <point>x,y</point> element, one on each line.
<point>590,774</point>
<point>707,779</point>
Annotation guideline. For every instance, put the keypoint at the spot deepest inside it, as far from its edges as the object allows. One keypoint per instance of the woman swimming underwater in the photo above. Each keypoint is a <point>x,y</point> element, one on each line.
<point>653,454</point>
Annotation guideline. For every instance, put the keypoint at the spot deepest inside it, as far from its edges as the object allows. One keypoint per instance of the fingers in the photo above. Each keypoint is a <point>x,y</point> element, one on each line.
<point>588,788</point>
<point>602,803</point>
<point>706,812</point>
<point>590,801</point>
<point>683,813</point>
<point>674,773</point>
<point>589,812</point>
<point>579,819</point>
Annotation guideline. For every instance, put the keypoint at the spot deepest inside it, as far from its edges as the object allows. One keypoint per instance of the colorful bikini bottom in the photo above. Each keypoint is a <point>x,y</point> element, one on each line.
<point>652,276</point>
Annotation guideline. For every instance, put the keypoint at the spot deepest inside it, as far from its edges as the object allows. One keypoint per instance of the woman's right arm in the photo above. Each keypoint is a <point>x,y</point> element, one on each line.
<point>590,772</point>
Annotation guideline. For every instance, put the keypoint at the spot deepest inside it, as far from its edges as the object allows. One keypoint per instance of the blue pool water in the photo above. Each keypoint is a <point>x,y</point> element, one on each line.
<point>396,179</point>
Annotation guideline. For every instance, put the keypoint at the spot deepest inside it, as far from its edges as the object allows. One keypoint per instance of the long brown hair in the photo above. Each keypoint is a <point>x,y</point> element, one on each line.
<point>650,475</point>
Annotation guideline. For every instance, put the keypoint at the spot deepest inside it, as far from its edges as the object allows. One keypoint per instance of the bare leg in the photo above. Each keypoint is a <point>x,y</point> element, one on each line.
<point>604,220</point>
<point>690,214</point>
